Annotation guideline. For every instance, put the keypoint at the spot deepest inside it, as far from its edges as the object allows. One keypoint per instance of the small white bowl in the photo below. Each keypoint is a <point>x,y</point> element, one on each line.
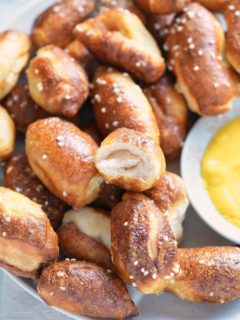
<point>193,151</point>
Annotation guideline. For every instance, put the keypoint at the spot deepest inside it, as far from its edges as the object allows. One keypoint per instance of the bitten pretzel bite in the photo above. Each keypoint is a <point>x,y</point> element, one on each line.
<point>57,82</point>
<point>170,196</point>
<point>86,289</point>
<point>55,24</point>
<point>27,240</point>
<point>85,234</point>
<point>15,49</point>
<point>196,44</point>
<point>118,37</point>
<point>209,274</point>
<point>231,14</point>
<point>62,156</point>
<point>7,134</point>
<point>143,244</point>
<point>163,6</point>
<point>171,113</point>
<point>19,176</point>
<point>22,109</point>
<point>80,53</point>
<point>120,103</point>
<point>108,196</point>
<point>130,160</point>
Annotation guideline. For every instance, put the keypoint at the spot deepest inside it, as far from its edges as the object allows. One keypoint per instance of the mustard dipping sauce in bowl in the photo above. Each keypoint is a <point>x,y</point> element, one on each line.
<point>210,167</point>
<point>221,171</point>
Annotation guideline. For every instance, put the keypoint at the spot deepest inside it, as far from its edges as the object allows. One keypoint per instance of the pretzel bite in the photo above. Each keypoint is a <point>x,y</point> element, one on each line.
<point>196,44</point>
<point>19,176</point>
<point>83,56</point>
<point>62,156</point>
<point>15,49</point>
<point>108,196</point>
<point>57,82</point>
<point>130,160</point>
<point>87,289</point>
<point>209,274</point>
<point>107,5</point>
<point>7,134</point>
<point>170,196</point>
<point>143,244</point>
<point>171,112</point>
<point>214,5</point>
<point>27,240</point>
<point>118,102</point>
<point>118,37</point>
<point>55,24</point>
<point>231,14</point>
<point>163,6</point>
<point>22,109</point>
<point>85,234</point>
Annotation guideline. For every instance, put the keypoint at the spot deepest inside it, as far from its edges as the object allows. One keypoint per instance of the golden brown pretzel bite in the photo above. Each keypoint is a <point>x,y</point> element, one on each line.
<point>15,49</point>
<point>85,234</point>
<point>55,24</point>
<point>214,5</point>
<point>86,289</point>
<point>170,196</point>
<point>19,176</point>
<point>7,134</point>
<point>62,156</point>
<point>80,53</point>
<point>143,244</point>
<point>27,240</point>
<point>22,109</point>
<point>119,102</point>
<point>108,196</point>
<point>118,37</point>
<point>163,6</point>
<point>231,14</point>
<point>130,160</point>
<point>196,44</point>
<point>209,274</point>
<point>171,112</point>
<point>57,82</point>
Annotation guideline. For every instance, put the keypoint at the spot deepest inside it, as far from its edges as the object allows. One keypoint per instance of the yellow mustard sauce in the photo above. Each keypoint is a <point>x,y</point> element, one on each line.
<point>221,171</point>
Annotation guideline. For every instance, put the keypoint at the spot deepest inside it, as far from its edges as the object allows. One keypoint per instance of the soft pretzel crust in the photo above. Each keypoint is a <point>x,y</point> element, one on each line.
<point>120,103</point>
<point>15,47</point>
<point>233,33</point>
<point>143,244</point>
<point>171,113</point>
<point>119,38</point>
<point>7,134</point>
<point>56,23</point>
<point>170,196</point>
<point>57,82</point>
<point>87,289</point>
<point>27,240</point>
<point>62,156</point>
<point>196,45</point>
<point>209,274</point>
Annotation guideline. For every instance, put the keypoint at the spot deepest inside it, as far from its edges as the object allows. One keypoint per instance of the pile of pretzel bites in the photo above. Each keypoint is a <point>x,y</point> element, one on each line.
<point>89,207</point>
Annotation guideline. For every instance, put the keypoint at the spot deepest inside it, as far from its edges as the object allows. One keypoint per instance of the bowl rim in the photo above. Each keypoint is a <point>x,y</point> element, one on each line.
<point>204,130</point>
